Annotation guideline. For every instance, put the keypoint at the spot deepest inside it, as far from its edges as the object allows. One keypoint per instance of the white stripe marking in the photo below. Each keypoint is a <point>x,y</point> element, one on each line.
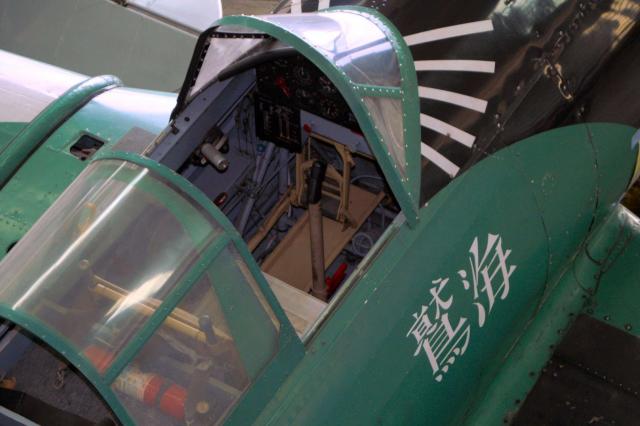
<point>447,129</point>
<point>456,65</point>
<point>296,6</point>
<point>323,4</point>
<point>439,160</point>
<point>453,98</point>
<point>449,32</point>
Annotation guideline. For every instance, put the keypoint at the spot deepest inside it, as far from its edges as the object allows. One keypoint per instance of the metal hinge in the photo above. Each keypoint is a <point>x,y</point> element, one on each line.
<point>554,72</point>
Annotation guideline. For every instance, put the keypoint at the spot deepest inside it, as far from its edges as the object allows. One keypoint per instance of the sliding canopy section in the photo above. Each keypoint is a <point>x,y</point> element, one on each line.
<point>364,56</point>
<point>132,272</point>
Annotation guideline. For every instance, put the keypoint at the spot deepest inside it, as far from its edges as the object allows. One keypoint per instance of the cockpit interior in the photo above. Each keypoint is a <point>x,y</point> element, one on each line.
<point>259,164</point>
<point>300,163</point>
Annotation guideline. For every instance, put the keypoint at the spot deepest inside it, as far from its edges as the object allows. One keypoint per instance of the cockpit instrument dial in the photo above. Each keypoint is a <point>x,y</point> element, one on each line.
<point>303,75</point>
<point>326,86</point>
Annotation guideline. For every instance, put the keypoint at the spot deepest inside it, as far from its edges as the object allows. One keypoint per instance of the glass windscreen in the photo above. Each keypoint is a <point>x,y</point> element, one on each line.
<point>222,53</point>
<point>104,255</point>
<point>351,41</point>
<point>387,113</point>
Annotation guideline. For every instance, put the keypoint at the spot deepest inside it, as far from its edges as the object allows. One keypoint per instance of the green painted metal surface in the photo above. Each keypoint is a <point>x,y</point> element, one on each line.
<point>365,340</point>
<point>592,194</point>
<point>617,287</point>
<point>33,135</point>
<point>551,199</point>
<point>37,183</point>
<point>51,168</point>
<point>572,293</point>
<point>8,131</point>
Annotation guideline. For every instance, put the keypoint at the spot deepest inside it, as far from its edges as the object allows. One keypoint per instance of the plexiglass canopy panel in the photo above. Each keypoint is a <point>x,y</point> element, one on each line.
<point>107,232</point>
<point>202,391</point>
<point>355,44</point>
<point>363,56</point>
<point>225,52</point>
<point>388,112</point>
<point>141,281</point>
<point>216,387</point>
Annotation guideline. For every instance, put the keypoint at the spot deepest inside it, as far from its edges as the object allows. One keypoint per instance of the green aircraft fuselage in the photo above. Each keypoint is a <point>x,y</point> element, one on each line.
<point>448,319</point>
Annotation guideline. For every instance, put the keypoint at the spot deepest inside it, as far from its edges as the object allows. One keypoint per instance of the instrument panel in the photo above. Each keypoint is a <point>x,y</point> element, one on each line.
<point>296,83</point>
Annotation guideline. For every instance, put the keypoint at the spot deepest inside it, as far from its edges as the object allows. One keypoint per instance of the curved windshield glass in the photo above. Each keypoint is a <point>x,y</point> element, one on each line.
<point>352,41</point>
<point>225,52</point>
<point>388,113</point>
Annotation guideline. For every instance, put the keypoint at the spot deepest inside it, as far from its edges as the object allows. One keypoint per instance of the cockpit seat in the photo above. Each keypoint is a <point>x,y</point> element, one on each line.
<point>290,261</point>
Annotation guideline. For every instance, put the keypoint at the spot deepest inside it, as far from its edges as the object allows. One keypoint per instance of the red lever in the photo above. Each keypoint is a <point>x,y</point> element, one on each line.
<point>281,83</point>
<point>334,281</point>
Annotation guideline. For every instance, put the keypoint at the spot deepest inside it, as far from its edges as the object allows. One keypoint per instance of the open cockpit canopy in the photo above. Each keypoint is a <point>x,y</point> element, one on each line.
<point>358,50</point>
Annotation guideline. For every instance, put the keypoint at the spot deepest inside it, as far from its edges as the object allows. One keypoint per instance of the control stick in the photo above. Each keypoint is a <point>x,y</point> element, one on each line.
<point>314,196</point>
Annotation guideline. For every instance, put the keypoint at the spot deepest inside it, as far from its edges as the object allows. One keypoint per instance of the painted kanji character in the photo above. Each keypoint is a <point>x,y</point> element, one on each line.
<point>437,337</point>
<point>484,270</point>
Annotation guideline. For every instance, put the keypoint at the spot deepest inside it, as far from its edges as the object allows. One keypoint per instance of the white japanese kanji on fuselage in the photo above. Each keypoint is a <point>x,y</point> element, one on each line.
<point>443,339</point>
